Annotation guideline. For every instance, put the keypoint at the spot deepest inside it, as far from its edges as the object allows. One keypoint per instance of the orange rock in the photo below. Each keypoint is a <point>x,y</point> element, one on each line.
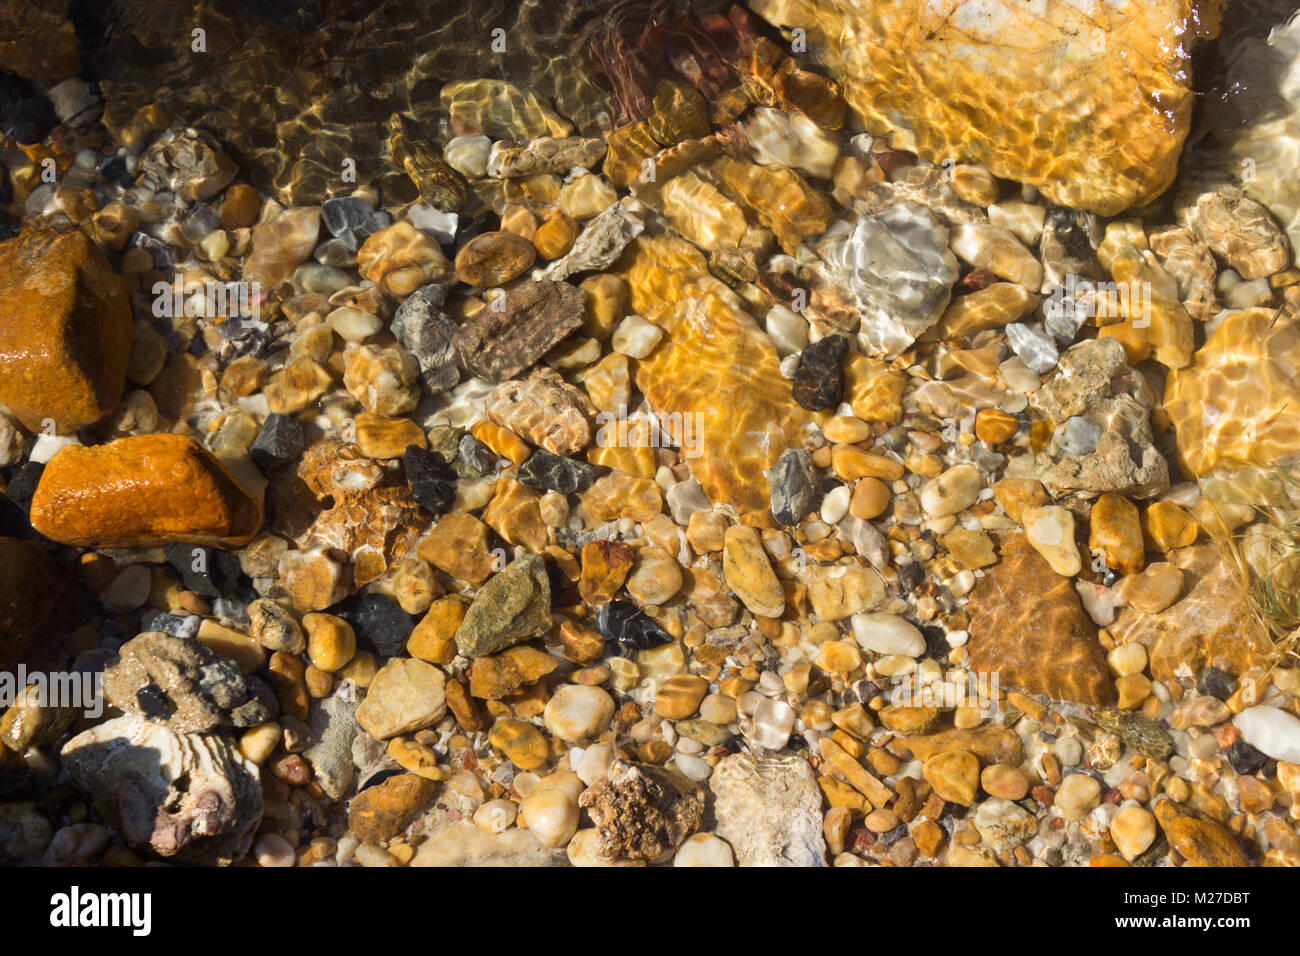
<point>1203,843</point>
<point>714,381</point>
<point>65,331</point>
<point>142,491</point>
<point>605,566</point>
<point>972,80</point>
<point>514,514</point>
<point>457,545</point>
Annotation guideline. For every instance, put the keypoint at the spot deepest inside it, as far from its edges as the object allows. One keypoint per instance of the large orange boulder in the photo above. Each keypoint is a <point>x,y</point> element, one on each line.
<point>65,331</point>
<point>142,491</point>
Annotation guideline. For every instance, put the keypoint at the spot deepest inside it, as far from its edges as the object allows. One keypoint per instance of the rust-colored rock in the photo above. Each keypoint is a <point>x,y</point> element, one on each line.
<point>65,331</point>
<point>605,566</point>
<point>458,545</point>
<point>1201,842</point>
<point>1028,626</point>
<point>142,491</point>
<point>381,812</point>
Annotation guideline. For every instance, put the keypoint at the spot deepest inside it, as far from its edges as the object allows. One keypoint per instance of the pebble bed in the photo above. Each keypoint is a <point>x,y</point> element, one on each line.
<point>737,488</point>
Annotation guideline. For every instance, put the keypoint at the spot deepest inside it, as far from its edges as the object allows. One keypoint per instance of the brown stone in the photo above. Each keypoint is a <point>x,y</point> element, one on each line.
<point>142,491</point>
<point>40,604</point>
<point>494,258</point>
<point>954,774</point>
<point>991,743</point>
<point>1115,532</point>
<point>281,245</point>
<point>240,206</point>
<point>500,675</point>
<point>1211,626</point>
<point>517,328</point>
<point>620,495</point>
<point>679,696</point>
<point>381,812</point>
<point>401,259</point>
<point>65,331</point>
<point>434,638</point>
<point>605,566</point>
<point>1028,626</point>
<point>1202,843</point>
<point>514,513</point>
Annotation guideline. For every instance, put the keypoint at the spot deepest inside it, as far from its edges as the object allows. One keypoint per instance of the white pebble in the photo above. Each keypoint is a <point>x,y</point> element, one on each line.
<point>271,849</point>
<point>636,337</point>
<point>704,849</point>
<point>836,504</point>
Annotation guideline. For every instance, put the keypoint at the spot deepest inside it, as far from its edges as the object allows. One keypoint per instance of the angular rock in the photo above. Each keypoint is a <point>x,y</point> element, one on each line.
<point>1093,382</point>
<point>1236,228</point>
<point>623,623</point>
<point>544,410</point>
<point>793,486</point>
<point>555,473</point>
<point>642,812</point>
<point>334,724</point>
<point>769,810</point>
<point>601,241</point>
<point>404,696</point>
<point>379,813</point>
<point>1028,626</point>
<point>190,798</point>
<point>352,220</point>
<point>546,154</point>
<point>281,245</point>
<point>896,266</point>
<point>181,684</point>
<point>141,491</point>
<point>969,80</point>
<point>432,480</point>
<point>65,331</point>
<point>515,330</point>
<point>819,380</point>
<point>713,348</point>
<point>426,331</point>
<point>402,259</point>
<point>513,606</point>
<point>187,162</point>
<point>279,441</point>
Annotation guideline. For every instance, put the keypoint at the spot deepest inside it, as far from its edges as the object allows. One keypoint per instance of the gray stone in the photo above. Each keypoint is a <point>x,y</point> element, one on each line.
<point>1033,346</point>
<point>425,330</point>
<point>793,484</point>
<point>333,722</point>
<point>513,606</point>
<point>601,242</point>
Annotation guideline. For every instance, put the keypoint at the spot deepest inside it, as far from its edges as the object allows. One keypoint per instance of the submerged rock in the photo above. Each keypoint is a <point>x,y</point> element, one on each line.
<point>896,264</point>
<point>1094,383</point>
<point>544,410</point>
<point>793,489</point>
<point>426,331</point>
<point>1097,123</point>
<point>191,798</point>
<point>516,329</point>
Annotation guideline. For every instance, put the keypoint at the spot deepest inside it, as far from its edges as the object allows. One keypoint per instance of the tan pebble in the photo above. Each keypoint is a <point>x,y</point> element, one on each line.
<point>330,641</point>
<point>870,499</point>
<point>999,780</point>
<point>1132,690</point>
<point>954,775</point>
<point>680,696</point>
<point>993,426</point>
<point>1077,794</point>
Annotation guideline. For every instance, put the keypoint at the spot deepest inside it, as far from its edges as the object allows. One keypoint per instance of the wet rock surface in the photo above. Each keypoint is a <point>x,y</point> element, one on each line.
<point>499,344</point>
<point>642,812</point>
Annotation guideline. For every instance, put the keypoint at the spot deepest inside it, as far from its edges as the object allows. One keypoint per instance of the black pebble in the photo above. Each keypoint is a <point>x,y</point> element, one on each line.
<point>910,576</point>
<point>476,455</point>
<point>555,473</point>
<point>623,622</point>
<point>279,442</point>
<point>153,702</point>
<point>819,381</point>
<point>206,571</point>
<point>22,486</point>
<point>432,480</point>
<point>1245,759</point>
<point>1216,683</point>
<point>936,642</point>
<point>378,621</point>
<point>26,113</point>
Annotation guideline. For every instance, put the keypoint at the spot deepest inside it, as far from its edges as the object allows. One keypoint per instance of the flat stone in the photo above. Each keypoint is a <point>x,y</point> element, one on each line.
<point>749,574</point>
<point>142,491</point>
<point>493,259</point>
<point>544,410</point>
<point>1028,626</point>
<point>65,331</point>
<point>1201,842</point>
<point>769,810</point>
<point>966,82</point>
<point>381,812</point>
<point>497,344</point>
<point>404,696</point>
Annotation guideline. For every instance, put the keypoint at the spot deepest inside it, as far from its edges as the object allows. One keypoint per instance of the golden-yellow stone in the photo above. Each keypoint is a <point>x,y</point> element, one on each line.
<point>1089,103</point>
<point>715,379</point>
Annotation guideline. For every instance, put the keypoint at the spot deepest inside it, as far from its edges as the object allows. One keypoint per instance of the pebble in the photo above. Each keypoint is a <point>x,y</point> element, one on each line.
<point>1127,659</point>
<point>1033,346</point>
<point>468,155</point>
<point>406,695</point>
<point>954,774</point>
<point>656,577</point>
<point>819,380</point>
<point>496,816</point>
<point>279,441</point>
<point>401,259</point>
<point>1051,531</point>
<point>749,574</point>
<point>331,642</point>
<point>704,849</point>
<point>635,630</point>
<point>492,259</point>
<point>1008,783</point>
<point>1271,730</point>
<point>772,724</point>
<point>791,481</point>
<point>836,504</point>
<point>1156,588</point>
<point>550,810</point>
<point>1003,824</point>
<point>954,490</point>
<point>884,634</point>
<point>576,712</point>
<point>1077,794</point>
<point>636,337</point>
<point>521,742</point>
<point>431,479</point>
